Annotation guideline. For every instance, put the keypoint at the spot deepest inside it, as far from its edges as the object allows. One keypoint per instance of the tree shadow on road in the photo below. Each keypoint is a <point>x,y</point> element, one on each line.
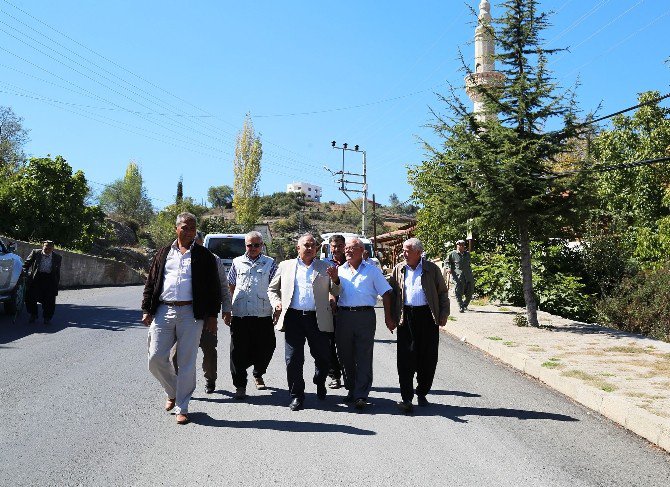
<point>204,419</point>
<point>71,316</point>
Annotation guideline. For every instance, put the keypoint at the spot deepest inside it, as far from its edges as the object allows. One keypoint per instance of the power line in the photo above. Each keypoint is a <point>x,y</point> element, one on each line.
<point>308,164</point>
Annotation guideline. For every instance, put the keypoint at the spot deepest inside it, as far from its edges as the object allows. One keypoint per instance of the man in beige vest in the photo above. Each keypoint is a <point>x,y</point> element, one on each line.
<point>252,337</point>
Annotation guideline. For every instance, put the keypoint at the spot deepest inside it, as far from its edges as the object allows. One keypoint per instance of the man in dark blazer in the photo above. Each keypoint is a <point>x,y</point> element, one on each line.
<point>421,305</point>
<point>182,296</point>
<point>43,269</point>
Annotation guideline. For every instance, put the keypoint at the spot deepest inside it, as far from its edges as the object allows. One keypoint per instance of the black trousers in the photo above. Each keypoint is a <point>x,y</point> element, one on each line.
<point>252,342</point>
<point>335,370</point>
<point>418,341</point>
<point>298,328</point>
<point>41,289</point>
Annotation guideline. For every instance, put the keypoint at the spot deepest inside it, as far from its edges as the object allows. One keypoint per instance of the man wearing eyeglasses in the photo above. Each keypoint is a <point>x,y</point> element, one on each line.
<point>252,336</point>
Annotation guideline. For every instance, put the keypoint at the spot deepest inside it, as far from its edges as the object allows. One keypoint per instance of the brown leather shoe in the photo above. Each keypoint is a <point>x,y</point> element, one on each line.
<point>260,383</point>
<point>182,418</point>
<point>169,404</point>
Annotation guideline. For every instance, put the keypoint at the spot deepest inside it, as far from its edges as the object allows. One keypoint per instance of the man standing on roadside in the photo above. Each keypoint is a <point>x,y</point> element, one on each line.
<point>43,269</point>
<point>356,320</point>
<point>299,293</point>
<point>252,336</point>
<point>461,273</point>
<point>181,296</point>
<point>337,258</point>
<point>421,305</point>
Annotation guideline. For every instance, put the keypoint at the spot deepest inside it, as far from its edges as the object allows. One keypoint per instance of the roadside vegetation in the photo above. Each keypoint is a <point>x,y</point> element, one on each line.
<point>574,220</point>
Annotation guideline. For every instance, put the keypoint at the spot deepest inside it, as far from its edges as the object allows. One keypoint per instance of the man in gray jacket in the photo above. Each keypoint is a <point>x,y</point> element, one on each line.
<point>421,304</point>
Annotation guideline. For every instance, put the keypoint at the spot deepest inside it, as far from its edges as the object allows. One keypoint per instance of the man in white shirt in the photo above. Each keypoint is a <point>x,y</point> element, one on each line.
<point>300,294</point>
<point>356,321</point>
<point>421,305</point>
<point>182,295</point>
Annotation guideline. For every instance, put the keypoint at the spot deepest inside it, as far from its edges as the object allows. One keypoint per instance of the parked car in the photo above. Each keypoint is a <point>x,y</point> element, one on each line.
<point>12,279</point>
<point>227,246</point>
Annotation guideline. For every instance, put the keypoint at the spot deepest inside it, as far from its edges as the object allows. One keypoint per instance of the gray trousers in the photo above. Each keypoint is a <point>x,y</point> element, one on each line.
<point>355,339</point>
<point>175,324</point>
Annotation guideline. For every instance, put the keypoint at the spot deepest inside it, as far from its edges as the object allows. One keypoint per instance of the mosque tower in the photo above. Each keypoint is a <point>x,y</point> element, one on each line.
<point>484,74</point>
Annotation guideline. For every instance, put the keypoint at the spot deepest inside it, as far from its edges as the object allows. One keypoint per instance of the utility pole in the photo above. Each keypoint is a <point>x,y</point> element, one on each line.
<point>358,180</point>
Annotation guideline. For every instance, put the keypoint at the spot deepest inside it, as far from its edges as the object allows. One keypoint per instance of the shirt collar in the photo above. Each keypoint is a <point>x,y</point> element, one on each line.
<point>253,261</point>
<point>175,245</point>
<point>419,266</point>
<point>300,262</point>
<point>361,265</point>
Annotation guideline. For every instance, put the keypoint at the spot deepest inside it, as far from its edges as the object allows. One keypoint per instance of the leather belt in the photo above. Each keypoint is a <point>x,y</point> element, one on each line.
<point>356,308</point>
<point>303,312</point>
<point>415,308</point>
<point>177,303</point>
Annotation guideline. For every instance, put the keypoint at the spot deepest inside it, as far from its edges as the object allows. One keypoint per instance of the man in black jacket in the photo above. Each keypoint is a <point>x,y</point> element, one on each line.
<point>43,269</point>
<point>181,296</point>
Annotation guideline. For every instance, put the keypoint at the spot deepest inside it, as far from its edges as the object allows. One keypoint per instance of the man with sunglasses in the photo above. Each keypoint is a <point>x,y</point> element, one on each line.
<point>252,337</point>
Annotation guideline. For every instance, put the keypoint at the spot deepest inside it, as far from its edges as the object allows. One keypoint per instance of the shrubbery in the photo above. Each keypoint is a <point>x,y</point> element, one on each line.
<point>557,279</point>
<point>640,304</point>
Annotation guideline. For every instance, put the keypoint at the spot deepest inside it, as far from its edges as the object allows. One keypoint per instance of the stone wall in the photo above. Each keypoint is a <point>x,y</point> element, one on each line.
<point>79,270</point>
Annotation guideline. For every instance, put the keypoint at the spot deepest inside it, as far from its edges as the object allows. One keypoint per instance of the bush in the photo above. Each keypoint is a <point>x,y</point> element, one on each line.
<point>557,279</point>
<point>640,304</point>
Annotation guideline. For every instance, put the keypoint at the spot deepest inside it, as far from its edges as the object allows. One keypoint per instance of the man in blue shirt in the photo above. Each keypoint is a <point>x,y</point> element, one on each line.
<point>356,321</point>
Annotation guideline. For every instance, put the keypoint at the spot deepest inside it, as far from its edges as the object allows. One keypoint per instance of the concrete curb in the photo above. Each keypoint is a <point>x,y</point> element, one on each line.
<point>641,422</point>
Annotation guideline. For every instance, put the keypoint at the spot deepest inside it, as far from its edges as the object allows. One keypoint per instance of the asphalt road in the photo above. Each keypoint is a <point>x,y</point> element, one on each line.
<point>80,408</point>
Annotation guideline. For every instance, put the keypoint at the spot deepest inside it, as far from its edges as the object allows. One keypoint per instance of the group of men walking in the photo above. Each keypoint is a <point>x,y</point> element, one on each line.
<point>328,304</point>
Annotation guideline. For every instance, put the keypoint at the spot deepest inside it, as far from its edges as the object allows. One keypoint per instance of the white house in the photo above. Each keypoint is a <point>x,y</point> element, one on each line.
<point>311,191</point>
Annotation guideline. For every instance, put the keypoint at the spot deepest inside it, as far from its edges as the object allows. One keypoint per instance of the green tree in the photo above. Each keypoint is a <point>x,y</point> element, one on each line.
<point>220,196</point>
<point>48,201</point>
<point>634,202</point>
<point>247,172</point>
<point>492,172</point>
<point>127,197</point>
<point>180,191</point>
<point>12,139</point>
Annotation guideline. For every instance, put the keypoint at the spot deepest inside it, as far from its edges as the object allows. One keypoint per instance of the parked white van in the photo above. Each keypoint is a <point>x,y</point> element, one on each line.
<point>367,244</point>
<point>226,245</point>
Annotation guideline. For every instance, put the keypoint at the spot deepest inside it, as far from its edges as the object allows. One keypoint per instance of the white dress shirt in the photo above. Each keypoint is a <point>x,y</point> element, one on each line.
<point>414,295</point>
<point>360,287</point>
<point>177,281</point>
<point>303,292</point>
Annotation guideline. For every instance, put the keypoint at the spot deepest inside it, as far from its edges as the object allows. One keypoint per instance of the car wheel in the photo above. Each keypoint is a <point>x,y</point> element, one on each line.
<point>15,305</point>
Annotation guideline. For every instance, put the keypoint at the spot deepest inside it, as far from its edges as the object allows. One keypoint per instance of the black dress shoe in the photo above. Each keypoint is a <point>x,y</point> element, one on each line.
<point>422,401</point>
<point>360,403</point>
<point>321,391</point>
<point>405,406</point>
<point>210,385</point>
<point>296,404</point>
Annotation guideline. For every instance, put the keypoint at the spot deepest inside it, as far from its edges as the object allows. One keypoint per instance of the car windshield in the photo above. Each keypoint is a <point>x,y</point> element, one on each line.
<point>227,248</point>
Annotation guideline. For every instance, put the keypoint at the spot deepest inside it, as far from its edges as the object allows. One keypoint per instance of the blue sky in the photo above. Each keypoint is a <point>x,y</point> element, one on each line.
<point>167,84</point>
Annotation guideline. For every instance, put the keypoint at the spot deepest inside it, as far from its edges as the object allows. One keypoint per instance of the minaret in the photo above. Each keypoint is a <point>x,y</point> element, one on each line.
<point>484,74</point>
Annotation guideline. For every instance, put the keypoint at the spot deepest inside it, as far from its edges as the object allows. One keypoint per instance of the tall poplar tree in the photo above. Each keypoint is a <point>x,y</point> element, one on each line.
<point>495,174</point>
<point>127,197</point>
<point>247,173</point>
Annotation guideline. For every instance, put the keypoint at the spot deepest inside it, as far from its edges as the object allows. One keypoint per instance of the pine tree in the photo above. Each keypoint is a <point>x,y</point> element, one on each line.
<point>495,173</point>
